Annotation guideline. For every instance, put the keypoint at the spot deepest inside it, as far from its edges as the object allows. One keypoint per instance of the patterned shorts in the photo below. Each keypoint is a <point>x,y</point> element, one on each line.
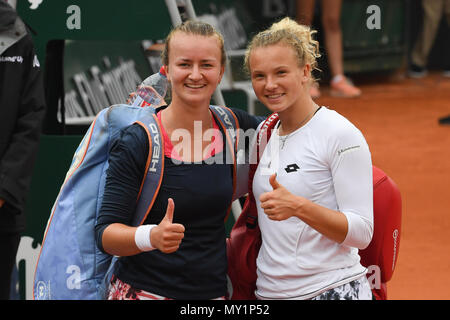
<point>119,290</point>
<point>358,289</point>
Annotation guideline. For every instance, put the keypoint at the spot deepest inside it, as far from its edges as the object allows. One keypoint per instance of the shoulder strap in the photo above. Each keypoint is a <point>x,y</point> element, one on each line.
<point>264,134</point>
<point>230,125</point>
<point>263,137</point>
<point>154,168</point>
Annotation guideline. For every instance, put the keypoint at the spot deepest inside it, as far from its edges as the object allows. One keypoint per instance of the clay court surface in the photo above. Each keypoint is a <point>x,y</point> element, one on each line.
<point>399,118</point>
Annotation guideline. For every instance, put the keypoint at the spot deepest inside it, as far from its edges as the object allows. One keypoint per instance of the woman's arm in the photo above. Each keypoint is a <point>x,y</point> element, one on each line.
<point>121,240</point>
<point>127,158</point>
<point>351,169</point>
<point>118,239</point>
<point>124,176</point>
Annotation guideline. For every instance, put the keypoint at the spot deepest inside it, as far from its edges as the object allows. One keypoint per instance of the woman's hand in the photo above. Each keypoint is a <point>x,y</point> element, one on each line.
<point>279,204</point>
<point>119,239</point>
<point>167,236</point>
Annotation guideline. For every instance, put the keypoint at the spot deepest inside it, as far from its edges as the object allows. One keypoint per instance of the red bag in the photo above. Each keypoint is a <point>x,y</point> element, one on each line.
<point>380,257</point>
<point>245,237</point>
<point>242,251</point>
<point>382,252</point>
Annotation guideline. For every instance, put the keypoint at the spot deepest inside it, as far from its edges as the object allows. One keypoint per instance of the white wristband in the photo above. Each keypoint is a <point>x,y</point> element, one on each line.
<point>142,237</point>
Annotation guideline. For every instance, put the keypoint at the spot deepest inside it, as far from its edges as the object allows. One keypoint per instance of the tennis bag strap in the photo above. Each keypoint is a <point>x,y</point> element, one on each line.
<point>154,169</point>
<point>230,126</point>
<point>245,237</point>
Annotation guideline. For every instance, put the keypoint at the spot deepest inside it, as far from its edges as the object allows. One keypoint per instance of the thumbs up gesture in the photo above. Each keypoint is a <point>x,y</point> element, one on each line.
<point>167,235</point>
<point>273,182</point>
<point>279,204</point>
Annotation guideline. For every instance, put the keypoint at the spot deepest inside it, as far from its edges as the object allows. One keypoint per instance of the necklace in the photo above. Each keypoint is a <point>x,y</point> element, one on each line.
<point>284,138</point>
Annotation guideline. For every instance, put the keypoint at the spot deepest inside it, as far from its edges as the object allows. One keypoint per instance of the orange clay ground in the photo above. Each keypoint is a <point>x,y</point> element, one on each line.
<point>399,118</point>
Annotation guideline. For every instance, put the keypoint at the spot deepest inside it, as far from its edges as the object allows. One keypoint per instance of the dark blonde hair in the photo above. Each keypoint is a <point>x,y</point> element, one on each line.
<point>196,28</point>
<point>298,37</point>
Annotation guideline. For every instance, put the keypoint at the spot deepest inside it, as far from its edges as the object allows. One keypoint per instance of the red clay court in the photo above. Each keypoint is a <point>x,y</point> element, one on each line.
<point>399,118</point>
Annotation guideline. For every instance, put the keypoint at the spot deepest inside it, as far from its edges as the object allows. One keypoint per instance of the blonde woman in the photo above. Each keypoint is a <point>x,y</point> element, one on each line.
<point>313,185</point>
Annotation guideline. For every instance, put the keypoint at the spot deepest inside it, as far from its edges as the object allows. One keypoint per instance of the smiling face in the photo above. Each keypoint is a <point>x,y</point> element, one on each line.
<point>278,80</point>
<point>194,68</point>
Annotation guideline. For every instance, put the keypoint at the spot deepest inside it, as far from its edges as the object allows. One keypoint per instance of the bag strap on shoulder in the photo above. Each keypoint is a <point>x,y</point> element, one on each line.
<point>262,138</point>
<point>230,126</point>
<point>154,168</point>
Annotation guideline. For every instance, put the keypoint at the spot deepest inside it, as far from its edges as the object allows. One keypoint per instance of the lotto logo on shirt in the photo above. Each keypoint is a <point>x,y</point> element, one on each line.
<point>292,168</point>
